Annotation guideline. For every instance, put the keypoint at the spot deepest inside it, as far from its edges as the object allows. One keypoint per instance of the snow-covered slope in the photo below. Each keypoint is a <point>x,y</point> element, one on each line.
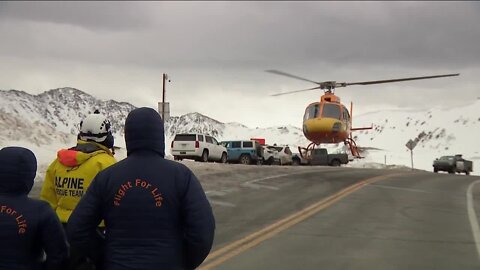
<point>59,109</point>
<point>196,122</point>
<point>49,121</point>
<point>437,131</point>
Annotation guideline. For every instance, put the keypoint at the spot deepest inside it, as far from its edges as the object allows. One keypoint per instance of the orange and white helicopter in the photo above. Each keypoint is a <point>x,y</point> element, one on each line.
<point>328,121</point>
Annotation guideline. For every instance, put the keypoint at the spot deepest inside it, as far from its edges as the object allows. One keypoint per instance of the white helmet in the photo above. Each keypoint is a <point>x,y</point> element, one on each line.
<point>95,127</point>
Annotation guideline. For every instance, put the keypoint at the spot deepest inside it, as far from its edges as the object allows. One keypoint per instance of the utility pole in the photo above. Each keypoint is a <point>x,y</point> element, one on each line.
<point>164,106</point>
<point>163,97</point>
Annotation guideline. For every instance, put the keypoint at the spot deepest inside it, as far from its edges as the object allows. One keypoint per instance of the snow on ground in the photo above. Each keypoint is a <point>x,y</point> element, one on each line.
<point>440,132</point>
<point>375,159</point>
<point>216,178</point>
<point>45,154</point>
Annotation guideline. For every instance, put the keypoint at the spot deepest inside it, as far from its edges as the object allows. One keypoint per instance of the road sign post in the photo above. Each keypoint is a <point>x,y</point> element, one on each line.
<point>411,157</point>
<point>410,145</point>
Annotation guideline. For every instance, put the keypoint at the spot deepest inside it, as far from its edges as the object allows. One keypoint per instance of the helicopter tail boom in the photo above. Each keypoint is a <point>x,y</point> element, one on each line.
<point>351,121</point>
<point>362,128</point>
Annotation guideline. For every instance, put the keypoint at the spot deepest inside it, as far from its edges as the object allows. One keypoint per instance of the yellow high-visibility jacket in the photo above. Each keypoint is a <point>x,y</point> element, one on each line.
<point>70,174</point>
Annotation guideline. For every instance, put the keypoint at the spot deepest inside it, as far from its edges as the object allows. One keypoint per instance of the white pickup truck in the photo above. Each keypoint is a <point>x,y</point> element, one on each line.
<point>200,147</point>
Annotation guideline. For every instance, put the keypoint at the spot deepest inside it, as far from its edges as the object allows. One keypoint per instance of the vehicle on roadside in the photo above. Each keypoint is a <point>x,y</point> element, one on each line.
<point>320,156</point>
<point>453,164</point>
<point>271,155</point>
<point>284,154</point>
<point>244,152</point>
<point>199,147</point>
<point>297,159</point>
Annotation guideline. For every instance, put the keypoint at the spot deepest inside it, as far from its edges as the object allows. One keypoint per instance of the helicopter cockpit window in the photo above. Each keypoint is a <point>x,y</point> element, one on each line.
<point>331,111</point>
<point>311,112</point>
<point>346,115</point>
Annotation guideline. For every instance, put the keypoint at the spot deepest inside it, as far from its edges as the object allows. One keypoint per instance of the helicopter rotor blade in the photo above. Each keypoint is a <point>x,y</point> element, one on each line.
<point>291,92</point>
<point>396,80</point>
<point>290,75</point>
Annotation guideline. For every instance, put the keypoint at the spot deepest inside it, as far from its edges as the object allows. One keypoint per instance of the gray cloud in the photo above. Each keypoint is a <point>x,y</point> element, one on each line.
<point>94,15</point>
<point>251,34</point>
<point>223,48</point>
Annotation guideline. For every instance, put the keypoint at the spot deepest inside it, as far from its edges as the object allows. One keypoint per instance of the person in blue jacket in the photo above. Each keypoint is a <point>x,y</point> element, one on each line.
<point>156,213</point>
<point>29,228</point>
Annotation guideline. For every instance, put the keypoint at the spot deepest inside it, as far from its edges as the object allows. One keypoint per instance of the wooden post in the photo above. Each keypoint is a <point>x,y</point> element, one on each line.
<point>163,97</point>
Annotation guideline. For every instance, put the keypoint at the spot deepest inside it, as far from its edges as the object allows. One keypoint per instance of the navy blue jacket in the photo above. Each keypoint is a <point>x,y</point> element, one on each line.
<point>155,210</point>
<point>27,226</point>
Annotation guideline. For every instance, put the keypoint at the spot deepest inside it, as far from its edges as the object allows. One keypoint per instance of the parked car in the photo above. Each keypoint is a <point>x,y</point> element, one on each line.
<point>270,155</point>
<point>297,159</point>
<point>285,154</point>
<point>453,164</point>
<point>244,152</point>
<point>200,147</point>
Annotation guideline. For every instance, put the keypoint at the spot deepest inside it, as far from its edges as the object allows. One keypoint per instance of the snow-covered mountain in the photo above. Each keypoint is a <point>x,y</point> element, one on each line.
<point>49,121</point>
<point>45,118</point>
<point>437,131</point>
<point>196,122</point>
<point>52,115</point>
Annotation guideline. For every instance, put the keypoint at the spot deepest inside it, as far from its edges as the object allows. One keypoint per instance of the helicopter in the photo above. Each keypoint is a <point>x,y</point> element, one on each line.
<point>329,121</point>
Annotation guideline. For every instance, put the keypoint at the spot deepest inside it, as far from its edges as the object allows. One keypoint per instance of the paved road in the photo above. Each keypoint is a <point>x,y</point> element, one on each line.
<point>263,200</point>
<point>406,221</point>
<point>341,218</point>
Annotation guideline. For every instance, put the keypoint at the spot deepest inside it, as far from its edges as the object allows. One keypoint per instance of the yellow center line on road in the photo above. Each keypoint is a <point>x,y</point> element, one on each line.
<point>233,249</point>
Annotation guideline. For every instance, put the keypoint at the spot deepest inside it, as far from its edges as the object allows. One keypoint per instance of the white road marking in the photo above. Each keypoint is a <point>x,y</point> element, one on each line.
<point>277,176</point>
<point>220,193</point>
<point>250,184</point>
<point>254,182</point>
<point>472,216</point>
<point>220,203</point>
<point>257,186</point>
<point>400,188</point>
<point>268,177</point>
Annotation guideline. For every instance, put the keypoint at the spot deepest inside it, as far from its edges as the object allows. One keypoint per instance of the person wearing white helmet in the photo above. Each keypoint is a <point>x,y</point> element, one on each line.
<point>70,174</point>
<point>96,128</point>
<point>156,213</point>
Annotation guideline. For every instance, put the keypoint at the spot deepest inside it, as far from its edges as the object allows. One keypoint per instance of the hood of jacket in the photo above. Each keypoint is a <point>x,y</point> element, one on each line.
<point>18,167</point>
<point>77,155</point>
<point>144,131</point>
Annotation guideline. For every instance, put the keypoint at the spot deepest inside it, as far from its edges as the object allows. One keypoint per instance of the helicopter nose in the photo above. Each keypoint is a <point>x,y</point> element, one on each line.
<point>323,125</point>
<point>336,127</point>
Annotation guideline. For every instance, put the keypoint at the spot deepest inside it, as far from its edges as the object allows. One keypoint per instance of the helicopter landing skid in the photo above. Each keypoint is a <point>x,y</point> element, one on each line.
<point>306,153</point>
<point>353,147</point>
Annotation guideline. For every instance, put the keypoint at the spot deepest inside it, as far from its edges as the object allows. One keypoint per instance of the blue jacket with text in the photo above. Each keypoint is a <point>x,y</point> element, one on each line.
<point>156,213</point>
<point>28,227</point>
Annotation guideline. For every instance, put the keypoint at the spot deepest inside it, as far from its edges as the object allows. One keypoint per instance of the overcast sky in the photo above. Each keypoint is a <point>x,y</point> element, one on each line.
<point>216,53</point>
